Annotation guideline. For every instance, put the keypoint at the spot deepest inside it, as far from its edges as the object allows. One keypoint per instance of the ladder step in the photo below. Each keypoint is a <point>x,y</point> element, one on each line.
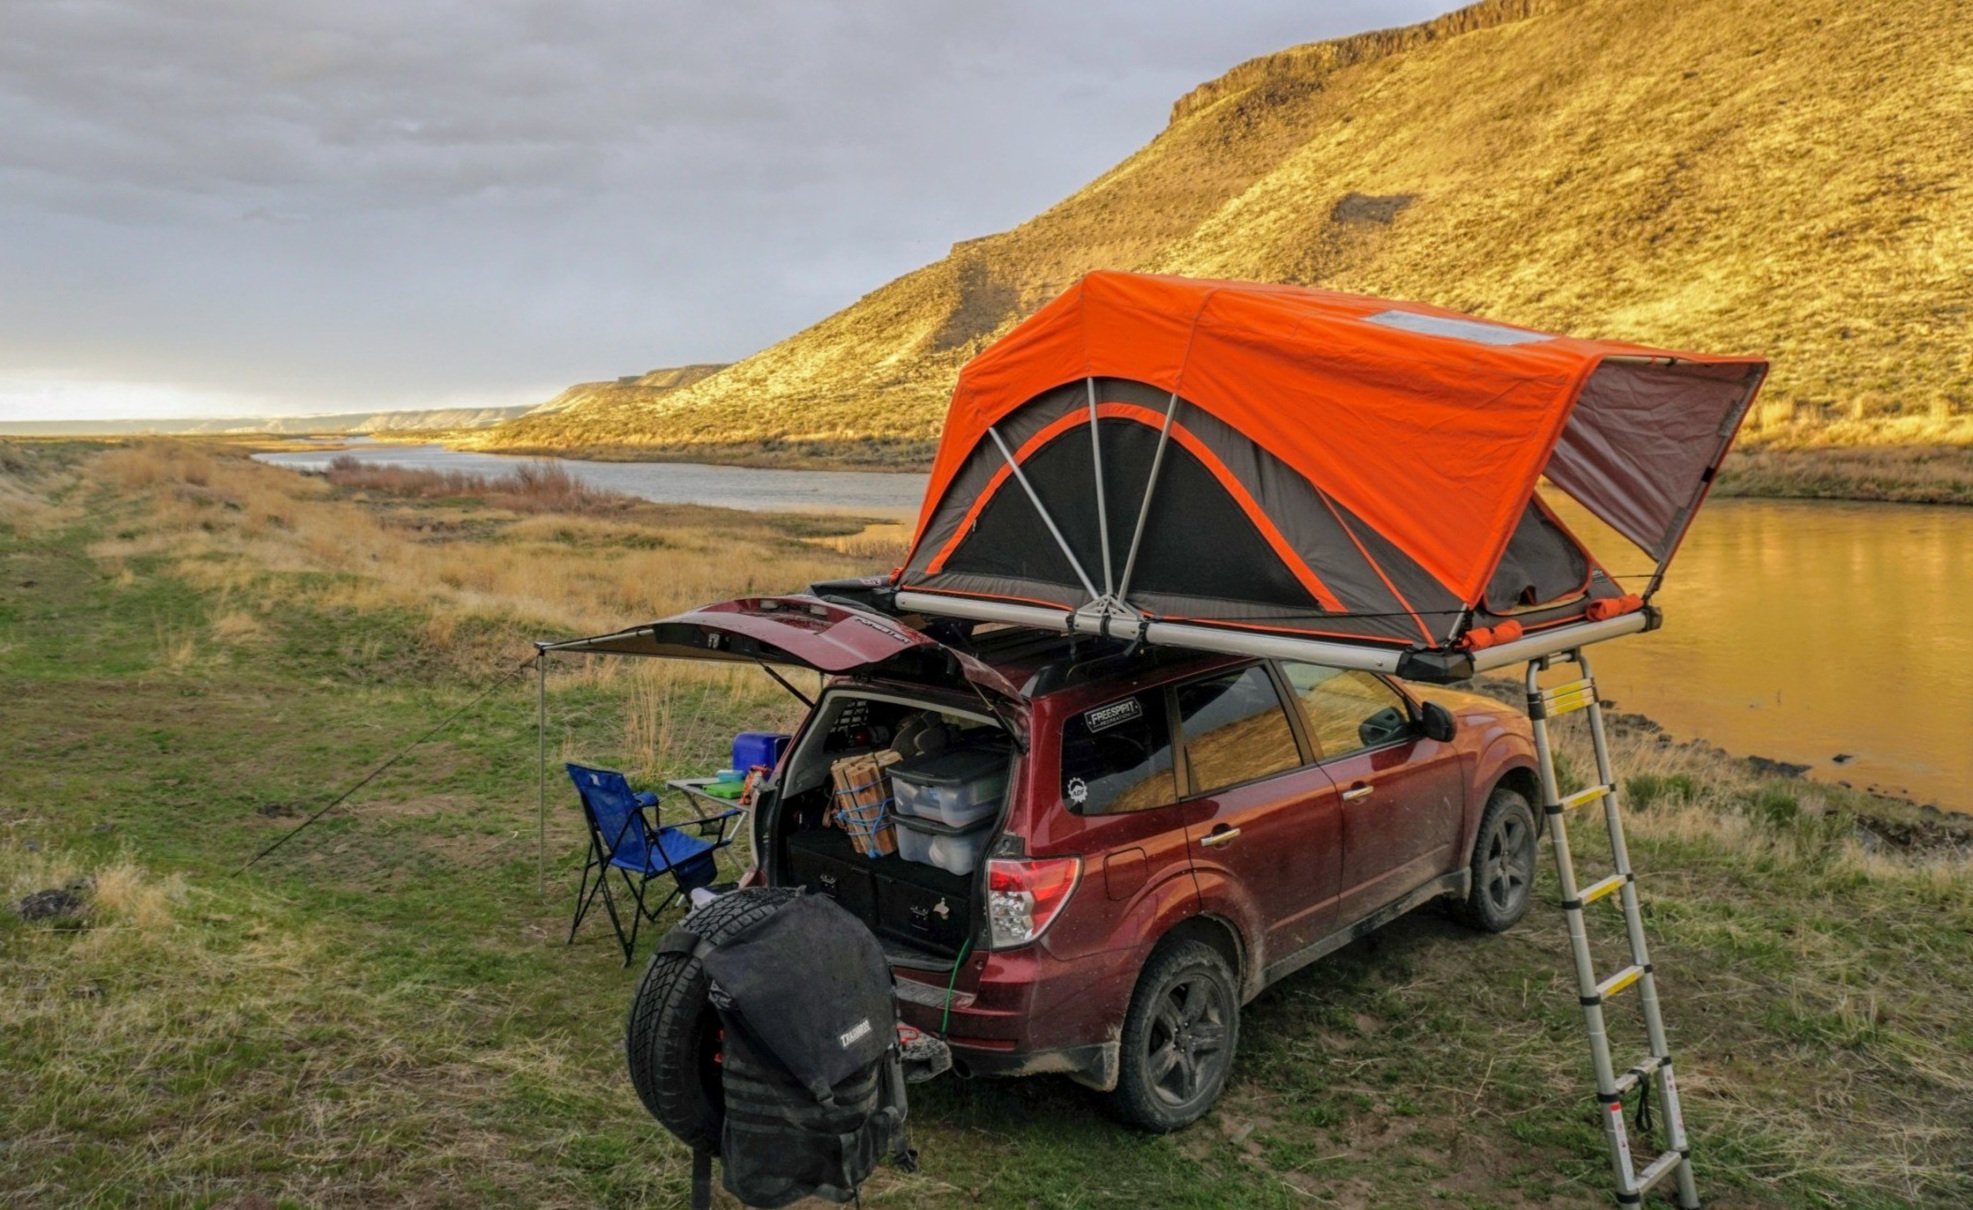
<point>1637,1075</point>
<point>1657,1170</point>
<point>1571,801</point>
<point>1618,982</point>
<point>1600,889</point>
<point>1562,699</point>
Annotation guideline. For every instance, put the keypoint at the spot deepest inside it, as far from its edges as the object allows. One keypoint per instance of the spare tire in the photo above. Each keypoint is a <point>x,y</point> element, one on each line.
<point>672,1038</point>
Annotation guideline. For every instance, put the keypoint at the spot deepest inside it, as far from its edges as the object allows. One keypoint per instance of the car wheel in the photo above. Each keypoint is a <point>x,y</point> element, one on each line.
<point>1178,1038</point>
<point>1503,864</point>
<point>672,1038</point>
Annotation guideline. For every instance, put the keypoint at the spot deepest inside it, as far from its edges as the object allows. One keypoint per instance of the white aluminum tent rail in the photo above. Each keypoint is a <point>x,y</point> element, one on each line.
<point>1366,656</point>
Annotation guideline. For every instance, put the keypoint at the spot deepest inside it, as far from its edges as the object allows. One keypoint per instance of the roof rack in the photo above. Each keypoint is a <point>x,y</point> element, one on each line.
<point>1436,665</point>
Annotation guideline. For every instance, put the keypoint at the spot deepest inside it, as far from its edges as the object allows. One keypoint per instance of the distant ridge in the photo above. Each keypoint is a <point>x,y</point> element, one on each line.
<point>339,423</point>
<point>1786,177</point>
<point>545,426</point>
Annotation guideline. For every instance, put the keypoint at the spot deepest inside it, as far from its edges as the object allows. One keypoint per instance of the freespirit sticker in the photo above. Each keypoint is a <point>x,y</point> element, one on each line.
<point>1129,710</point>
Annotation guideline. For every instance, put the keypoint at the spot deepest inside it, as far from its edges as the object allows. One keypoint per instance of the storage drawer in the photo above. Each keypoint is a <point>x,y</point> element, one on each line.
<point>925,916</point>
<point>824,862</point>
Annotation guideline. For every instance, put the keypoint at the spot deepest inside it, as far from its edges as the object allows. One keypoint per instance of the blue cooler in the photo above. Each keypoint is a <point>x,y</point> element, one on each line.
<point>752,748</point>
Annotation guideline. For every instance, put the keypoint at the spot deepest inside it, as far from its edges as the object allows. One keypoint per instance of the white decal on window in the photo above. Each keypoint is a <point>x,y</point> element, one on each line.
<point>1104,717</point>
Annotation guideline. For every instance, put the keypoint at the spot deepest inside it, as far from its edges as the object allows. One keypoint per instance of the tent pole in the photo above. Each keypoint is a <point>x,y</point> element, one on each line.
<point>1102,510</point>
<point>1144,510</point>
<point>541,772</point>
<point>1045,518</point>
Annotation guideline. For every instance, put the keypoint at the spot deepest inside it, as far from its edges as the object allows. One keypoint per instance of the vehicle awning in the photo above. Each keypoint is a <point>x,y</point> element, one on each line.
<point>1312,464</point>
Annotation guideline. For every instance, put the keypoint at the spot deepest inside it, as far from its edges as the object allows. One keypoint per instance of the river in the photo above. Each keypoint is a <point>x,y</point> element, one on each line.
<point>1802,631</point>
<point>890,496</point>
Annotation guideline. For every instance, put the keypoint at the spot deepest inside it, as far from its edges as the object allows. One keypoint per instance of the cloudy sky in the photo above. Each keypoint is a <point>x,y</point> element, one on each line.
<point>234,206</point>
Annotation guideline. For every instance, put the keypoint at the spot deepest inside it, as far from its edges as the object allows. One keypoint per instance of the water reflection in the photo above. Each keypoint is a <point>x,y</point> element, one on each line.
<point>1809,630</point>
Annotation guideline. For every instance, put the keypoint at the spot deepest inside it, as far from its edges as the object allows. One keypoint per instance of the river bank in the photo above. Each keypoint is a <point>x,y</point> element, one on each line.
<point>1908,460</point>
<point>1664,768</point>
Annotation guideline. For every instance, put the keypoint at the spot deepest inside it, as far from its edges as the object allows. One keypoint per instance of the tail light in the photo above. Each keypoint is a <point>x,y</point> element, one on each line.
<point>1024,897</point>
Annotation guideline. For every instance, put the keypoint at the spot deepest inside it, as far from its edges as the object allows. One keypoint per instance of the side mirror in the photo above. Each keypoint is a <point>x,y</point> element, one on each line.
<point>1435,721</point>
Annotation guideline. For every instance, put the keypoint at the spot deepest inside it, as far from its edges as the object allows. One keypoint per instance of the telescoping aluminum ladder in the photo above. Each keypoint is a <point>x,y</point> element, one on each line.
<point>1632,1182</point>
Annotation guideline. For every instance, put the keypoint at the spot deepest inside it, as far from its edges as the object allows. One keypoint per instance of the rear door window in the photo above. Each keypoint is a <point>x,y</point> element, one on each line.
<point>1118,756</point>
<point>1235,729</point>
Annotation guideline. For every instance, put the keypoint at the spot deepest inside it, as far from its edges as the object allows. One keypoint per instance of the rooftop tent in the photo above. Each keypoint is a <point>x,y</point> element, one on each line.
<point>1233,459</point>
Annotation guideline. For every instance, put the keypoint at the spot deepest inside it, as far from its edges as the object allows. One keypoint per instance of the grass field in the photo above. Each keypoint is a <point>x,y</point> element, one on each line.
<point>196,651</point>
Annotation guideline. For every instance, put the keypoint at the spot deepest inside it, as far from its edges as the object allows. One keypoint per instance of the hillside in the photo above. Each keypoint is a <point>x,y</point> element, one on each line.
<point>1781,177</point>
<point>544,425</point>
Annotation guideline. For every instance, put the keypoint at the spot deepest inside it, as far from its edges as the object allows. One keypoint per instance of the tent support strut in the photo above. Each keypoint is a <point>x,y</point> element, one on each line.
<point>1144,509</point>
<point>1047,520</point>
<point>1102,512</point>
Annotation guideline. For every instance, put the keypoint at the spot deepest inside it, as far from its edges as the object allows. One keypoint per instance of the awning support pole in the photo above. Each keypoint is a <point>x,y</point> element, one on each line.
<point>1102,512</point>
<point>541,771</point>
<point>1045,518</point>
<point>1144,509</point>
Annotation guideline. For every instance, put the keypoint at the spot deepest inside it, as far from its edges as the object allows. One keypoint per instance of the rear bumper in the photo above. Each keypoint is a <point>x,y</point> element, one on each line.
<point>1027,1012</point>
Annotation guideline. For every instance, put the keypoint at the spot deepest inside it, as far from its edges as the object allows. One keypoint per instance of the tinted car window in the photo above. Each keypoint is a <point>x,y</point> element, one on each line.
<point>1117,756</point>
<point>1347,710</point>
<point>1235,729</point>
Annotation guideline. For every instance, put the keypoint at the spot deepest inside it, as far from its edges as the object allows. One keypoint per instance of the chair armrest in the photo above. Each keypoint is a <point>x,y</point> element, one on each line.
<point>647,798</point>
<point>711,822</point>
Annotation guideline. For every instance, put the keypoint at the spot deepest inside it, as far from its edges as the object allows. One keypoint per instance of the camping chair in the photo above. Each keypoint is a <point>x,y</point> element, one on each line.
<point>621,838</point>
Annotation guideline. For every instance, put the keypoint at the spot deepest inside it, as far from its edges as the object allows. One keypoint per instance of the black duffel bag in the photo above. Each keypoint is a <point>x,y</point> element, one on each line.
<point>803,1035</point>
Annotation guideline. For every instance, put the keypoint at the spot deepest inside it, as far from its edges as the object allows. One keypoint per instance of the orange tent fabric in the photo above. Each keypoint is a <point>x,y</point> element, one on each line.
<point>1432,427</point>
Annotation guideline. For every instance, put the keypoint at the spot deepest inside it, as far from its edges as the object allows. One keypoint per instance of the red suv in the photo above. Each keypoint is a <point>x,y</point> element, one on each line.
<point>1105,850</point>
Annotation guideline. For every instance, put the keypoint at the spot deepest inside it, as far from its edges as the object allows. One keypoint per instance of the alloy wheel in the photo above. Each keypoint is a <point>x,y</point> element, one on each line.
<point>1187,1039</point>
<point>1510,865</point>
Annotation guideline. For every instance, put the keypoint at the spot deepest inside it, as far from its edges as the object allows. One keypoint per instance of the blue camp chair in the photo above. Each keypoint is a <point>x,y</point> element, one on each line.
<point>620,838</point>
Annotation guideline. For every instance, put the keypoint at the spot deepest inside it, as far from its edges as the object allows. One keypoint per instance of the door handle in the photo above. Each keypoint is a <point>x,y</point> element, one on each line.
<point>1357,791</point>
<point>1219,836</point>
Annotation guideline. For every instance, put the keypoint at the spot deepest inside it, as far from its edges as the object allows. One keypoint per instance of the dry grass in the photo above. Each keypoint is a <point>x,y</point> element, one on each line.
<point>535,487</point>
<point>1786,178</point>
<point>226,522</point>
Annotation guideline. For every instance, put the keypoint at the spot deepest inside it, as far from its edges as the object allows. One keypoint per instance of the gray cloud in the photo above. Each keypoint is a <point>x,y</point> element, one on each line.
<point>345,203</point>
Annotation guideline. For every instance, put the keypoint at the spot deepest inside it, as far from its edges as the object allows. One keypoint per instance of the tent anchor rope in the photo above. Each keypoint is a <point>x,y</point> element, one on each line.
<point>399,755</point>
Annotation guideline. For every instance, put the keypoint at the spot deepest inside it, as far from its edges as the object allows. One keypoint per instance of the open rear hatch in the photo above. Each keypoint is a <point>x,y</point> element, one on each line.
<point>808,632</point>
<point>923,911</point>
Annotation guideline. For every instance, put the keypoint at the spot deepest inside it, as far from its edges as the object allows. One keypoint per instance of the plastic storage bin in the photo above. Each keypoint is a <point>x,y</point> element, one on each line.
<point>954,850</point>
<point>958,788</point>
<point>752,748</point>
